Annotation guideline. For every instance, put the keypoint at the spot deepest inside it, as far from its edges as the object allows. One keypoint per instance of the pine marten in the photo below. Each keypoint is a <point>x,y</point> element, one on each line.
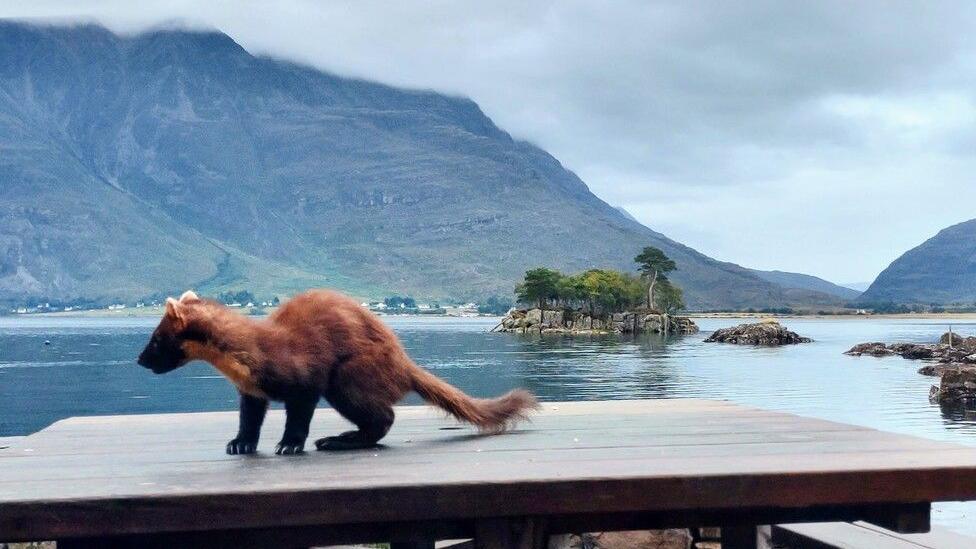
<point>318,344</point>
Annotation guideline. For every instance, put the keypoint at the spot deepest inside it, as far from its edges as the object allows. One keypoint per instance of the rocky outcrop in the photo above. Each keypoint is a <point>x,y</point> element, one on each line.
<point>958,385</point>
<point>561,321</point>
<point>953,359</point>
<point>766,333</point>
<point>936,370</point>
<point>961,352</point>
<point>870,349</point>
<point>956,340</point>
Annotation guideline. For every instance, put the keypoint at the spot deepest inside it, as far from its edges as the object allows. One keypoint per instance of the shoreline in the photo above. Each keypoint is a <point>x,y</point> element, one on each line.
<point>157,312</point>
<point>884,316</point>
<point>149,312</point>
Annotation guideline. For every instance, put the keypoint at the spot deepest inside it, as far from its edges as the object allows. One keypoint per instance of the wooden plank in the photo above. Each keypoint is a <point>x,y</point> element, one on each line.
<point>663,460</point>
<point>132,439</point>
<point>368,469</point>
<point>860,535</point>
<point>359,533</point>
<point>439,444</point>
<point>119,472</point>
<point>327,422</point>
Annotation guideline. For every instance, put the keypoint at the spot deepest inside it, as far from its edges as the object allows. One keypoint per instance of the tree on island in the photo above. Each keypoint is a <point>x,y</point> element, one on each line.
<point>540,285</point>
<point>654,266</point>
<point>597,290</point>
<point>670,298</point>
<point>601,291</point>
<point>611,291</point>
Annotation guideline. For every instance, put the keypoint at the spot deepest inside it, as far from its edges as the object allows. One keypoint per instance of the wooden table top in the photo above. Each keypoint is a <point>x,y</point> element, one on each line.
<point>168,472</point>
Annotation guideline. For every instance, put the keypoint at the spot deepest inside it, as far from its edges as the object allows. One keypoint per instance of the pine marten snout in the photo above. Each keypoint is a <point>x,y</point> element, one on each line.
<point>320,344</point>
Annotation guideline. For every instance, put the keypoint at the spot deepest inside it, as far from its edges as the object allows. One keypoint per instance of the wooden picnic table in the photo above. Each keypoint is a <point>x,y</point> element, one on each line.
<point>164,480</point>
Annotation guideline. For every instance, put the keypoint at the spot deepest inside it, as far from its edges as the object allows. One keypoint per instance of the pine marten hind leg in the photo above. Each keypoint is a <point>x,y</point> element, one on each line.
<point>373,420</point>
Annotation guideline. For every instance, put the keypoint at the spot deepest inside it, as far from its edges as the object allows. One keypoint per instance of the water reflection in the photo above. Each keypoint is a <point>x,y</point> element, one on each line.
<point>958,414</point>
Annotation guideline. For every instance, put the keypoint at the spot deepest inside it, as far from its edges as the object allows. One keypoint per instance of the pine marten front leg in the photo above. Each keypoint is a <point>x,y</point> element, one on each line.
<point>252,414</point>
<point>298,416</point>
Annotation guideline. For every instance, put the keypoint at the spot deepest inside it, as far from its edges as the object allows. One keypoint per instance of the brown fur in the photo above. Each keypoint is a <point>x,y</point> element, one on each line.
<point>322,343</point>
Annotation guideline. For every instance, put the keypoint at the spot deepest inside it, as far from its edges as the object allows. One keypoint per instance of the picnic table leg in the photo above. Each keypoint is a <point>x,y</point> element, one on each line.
<point>739,537</point>
<point>511,533</point>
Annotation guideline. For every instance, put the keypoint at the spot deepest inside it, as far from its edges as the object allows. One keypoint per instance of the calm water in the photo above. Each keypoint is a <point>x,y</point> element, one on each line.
<point>88,368</point>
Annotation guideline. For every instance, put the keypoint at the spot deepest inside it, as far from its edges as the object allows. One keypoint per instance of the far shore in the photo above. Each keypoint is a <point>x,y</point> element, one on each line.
<point>918,316</point>
<point>155,312</point>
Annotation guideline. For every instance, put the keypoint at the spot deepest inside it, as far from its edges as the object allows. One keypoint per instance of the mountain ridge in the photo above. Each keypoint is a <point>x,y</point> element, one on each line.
<point>802,281</point>
<point>940,271</point>
<point>189,162</point>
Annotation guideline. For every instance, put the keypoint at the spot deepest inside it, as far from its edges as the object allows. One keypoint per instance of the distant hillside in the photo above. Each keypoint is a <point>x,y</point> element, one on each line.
<point>942,271</point>
<point>806,282</point>
<point>148,164</point>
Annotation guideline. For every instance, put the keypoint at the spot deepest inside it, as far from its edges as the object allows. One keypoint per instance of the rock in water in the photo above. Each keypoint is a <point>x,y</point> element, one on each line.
<point>766,333</point>
<point>958,341</point>
<point>961,351</point>
<point>872,349</point>
<point>957,385</point>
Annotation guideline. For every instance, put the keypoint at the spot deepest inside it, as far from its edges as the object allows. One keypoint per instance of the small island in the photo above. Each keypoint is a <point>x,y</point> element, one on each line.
<point>768,333</point>
<point>601,301</point>
<point>953,359</point>
<point>549,321</point>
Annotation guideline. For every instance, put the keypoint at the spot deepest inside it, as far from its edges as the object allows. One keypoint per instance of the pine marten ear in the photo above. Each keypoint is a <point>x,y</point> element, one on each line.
<point>175,312</point>
<point>188,295</point>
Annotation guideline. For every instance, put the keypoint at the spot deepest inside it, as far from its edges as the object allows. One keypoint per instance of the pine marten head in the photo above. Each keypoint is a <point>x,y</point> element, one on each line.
<point>165,350</point>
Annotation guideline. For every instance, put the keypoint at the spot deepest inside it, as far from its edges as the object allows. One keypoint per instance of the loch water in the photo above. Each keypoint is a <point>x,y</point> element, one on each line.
<point>57,367</point>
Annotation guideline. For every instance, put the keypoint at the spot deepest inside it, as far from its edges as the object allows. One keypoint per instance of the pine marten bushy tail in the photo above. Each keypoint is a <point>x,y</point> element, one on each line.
<point>487,414</point>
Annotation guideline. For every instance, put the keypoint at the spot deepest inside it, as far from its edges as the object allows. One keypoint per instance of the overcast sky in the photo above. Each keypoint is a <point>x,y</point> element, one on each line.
<point>825,138</point>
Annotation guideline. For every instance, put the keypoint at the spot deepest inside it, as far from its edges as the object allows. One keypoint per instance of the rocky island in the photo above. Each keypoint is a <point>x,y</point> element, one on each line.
<point>952,350</point>
<point>530,321</point>
<point>766,333</point>
<point>953,359</point>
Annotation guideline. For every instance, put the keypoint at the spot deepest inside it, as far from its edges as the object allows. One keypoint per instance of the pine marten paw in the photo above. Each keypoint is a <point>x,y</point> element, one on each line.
<point>240,446</point>
<point>289,448</point>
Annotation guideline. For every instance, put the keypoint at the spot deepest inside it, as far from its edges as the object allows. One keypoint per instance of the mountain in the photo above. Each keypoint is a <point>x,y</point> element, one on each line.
<point>800,281</point>
<point>942,270</point>
<point>144,165</point>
